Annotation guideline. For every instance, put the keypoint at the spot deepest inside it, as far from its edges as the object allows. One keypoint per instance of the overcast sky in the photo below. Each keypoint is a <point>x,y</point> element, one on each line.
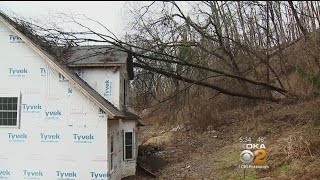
<point>109,13</point>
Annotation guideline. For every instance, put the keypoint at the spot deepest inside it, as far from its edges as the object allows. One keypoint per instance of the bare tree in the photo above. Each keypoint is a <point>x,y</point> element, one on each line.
<point>228,47</point>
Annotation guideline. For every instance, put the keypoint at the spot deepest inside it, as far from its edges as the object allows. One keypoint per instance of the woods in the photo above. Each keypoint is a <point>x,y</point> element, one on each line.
<point>184,50</point>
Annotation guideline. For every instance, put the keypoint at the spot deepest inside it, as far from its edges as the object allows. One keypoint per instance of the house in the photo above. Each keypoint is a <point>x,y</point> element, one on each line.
<point>64,118</point>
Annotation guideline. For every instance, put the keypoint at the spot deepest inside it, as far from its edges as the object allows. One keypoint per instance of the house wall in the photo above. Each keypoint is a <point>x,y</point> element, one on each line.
<point>129,167</point>
<point>105,81</point>
<point>77,145</point>
<point>115,131</point>
<point>108,82</point>
<point>96,78</point>
<point>117,128</point>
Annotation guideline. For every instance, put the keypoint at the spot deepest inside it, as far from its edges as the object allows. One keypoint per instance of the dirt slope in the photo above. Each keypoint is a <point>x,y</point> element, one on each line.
<point>291,128</point>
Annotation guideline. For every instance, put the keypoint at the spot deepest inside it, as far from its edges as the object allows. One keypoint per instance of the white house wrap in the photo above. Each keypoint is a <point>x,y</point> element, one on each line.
<point>56,125</point>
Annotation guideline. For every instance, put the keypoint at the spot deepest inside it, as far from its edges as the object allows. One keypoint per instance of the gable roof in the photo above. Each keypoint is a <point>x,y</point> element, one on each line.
<point>73,78</point>
<point>97,55</point>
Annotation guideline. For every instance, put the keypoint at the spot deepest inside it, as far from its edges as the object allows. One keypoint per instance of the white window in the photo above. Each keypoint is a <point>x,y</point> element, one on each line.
<point>128,146</point>
<point>9,111</point>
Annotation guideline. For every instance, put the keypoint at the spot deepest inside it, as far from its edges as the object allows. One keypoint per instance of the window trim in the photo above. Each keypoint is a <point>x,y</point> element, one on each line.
<point>18,95</point>
<point>132,146</point>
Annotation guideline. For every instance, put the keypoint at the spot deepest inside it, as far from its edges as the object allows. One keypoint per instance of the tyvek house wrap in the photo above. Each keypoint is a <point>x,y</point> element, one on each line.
<point>61,134</point>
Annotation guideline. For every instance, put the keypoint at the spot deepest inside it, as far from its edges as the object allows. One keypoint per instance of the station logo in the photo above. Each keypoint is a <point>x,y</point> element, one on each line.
<point>253,155</point>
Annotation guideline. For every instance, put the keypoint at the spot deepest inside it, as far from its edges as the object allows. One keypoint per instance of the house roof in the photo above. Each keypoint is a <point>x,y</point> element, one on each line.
<point>73,78</point>
<point>97,55</point>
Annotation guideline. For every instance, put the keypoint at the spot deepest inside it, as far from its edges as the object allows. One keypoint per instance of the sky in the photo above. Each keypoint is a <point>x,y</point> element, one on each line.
<point>112,14</point>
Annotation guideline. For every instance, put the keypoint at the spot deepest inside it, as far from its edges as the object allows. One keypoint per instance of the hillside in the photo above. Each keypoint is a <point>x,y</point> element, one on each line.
<point>291,128</point>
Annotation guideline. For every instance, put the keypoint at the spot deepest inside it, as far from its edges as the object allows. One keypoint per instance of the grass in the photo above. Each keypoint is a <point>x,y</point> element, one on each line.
<point>284,169</point>
<point>226,169</point>
<point>293,131</point>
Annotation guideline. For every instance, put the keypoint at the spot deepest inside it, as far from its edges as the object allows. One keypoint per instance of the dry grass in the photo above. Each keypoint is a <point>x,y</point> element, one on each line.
<point>292,129</point>
<point>292,126</point>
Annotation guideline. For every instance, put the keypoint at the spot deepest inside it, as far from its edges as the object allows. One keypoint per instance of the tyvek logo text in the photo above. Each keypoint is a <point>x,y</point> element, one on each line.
<point>32,174</point>
<point>101,113</point>
<point>18,72</point>
<point>78,138</point>
<point>43,72</point>
<point>107,88</point>
<point>98,176</point>
<point>62,78</point>
<point>31,108</point>
<point>15,39</point>
<point>80,73</point>
<point>13,137</point>
<point>49,137</point>
<point>66,175</point>
<point>53,114</point>
<point>4,174</point>
<point>69,90</point>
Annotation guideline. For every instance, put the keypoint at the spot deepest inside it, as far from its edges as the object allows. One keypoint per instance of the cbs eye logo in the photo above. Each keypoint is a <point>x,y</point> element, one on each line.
<point>258,157</point>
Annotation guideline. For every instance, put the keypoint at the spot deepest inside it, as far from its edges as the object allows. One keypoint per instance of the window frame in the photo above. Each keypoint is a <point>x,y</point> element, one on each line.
<point>18,96</point>
<point>125,146</point>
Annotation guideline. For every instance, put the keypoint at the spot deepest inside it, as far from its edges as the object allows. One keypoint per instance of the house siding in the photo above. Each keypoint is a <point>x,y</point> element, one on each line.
<point>78,144</point>
<point>116,128</point>
<point>105,81</point>
<point>129,167</point>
